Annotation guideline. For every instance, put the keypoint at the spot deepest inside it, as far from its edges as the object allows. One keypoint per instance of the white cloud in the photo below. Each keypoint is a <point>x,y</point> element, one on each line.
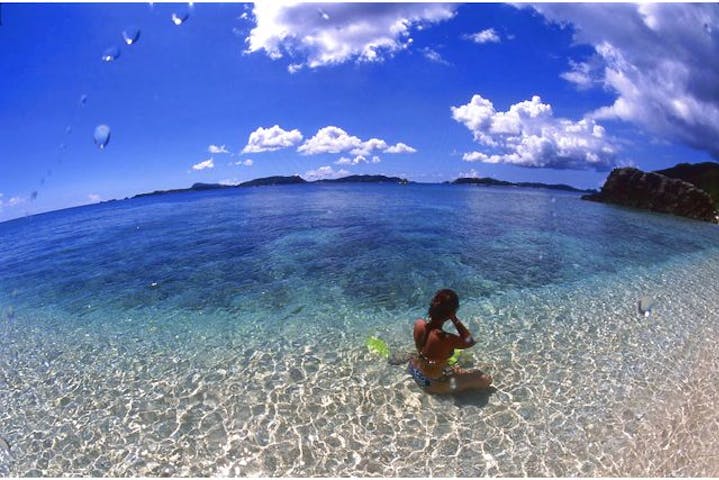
<point>11,202</point>
<point>270,139</point>
<point>216,149</point>
<point>434,56</point>
<point>330,140</point>
<point>485,36</point>
<point>351,161</point>
<point>209,163</point>
<point>325,172</point>
<point>659,59</point>
<point>357,160</point>
<point>333,139</point>
<point>529,135</point>
<point>471,174</point>
<point>94,197</point>
<point>245,163</point>
<point>581,74</point>
<point>316,35</point>
<point>400,148</point>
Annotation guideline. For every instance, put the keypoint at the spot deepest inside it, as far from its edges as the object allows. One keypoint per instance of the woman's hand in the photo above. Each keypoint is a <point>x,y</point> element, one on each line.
<point>463,332</point>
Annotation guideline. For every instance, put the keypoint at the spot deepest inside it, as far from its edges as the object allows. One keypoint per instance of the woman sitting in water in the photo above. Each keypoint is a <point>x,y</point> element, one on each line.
<point>435,346</point>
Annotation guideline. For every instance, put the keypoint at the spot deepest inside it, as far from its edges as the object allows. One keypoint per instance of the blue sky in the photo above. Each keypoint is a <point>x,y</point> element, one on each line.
<point>557,93</point>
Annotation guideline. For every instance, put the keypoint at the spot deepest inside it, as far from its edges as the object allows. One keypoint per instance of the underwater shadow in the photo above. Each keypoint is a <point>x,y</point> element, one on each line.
<point>476,398</point>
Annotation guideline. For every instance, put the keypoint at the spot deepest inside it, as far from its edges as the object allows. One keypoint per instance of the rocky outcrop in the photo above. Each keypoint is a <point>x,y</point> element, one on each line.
<point>652,191</point>
<point>702,175</point>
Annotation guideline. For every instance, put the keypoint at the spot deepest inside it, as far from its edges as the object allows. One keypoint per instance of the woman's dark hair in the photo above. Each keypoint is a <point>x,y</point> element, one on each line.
<point>444,304</point>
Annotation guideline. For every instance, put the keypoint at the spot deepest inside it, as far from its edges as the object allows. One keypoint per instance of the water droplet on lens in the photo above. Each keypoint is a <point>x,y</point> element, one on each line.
<point>131,35</point>
<point>111,54</point>
<point>102,135</point>
<point>178,18</point>
<point>645,305</point>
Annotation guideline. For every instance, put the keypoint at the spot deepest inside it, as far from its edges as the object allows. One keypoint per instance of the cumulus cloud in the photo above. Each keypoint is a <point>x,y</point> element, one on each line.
<point>270,139</point>
<point>333,139</point>
<point>529,135</point>
<point>330,140</point>
<point>209,163</point>
<point>357,160</point>
<point>485,36</point>
<point>245,163</point>
<point>316,35</point>
<point>217,149</point>
<point>351,161</point>
<point>659,59</point>
<point>400,148</point>
<point>325,172</point>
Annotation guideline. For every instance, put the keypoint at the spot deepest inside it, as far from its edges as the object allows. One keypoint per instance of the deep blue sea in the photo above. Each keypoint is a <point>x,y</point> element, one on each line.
<point>223,333</point>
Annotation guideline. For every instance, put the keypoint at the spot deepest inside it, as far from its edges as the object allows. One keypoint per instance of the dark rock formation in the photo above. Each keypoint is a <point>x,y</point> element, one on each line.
<point>652,191</point>
<point>701,175</point>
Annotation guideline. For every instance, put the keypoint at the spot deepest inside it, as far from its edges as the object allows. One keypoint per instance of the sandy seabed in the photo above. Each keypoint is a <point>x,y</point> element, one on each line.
<point>585,386</point>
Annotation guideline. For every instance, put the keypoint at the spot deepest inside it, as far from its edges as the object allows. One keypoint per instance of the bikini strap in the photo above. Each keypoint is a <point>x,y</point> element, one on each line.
<point>424,343</point>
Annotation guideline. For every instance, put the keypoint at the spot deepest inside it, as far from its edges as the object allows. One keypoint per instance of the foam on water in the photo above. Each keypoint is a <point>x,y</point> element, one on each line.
<point>268,380</point>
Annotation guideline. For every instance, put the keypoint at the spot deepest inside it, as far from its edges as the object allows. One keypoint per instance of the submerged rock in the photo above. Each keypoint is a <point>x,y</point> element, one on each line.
<point>645,305</point>
<point>652,191</point>
<point>400,357</point>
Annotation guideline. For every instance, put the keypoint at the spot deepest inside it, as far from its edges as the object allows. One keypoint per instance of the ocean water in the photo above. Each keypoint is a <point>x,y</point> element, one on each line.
<point>222,333</point>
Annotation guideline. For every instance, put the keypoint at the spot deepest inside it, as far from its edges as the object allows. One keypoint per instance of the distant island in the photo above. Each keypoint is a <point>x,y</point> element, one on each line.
<point>366,179</point>
<point>297,180</point>
<point>487,181</point>
<point>686,190</point>
<point>279,180</point>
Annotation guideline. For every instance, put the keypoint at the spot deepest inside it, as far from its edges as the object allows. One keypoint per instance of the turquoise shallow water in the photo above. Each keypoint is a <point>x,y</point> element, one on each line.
<point>223,333</point>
